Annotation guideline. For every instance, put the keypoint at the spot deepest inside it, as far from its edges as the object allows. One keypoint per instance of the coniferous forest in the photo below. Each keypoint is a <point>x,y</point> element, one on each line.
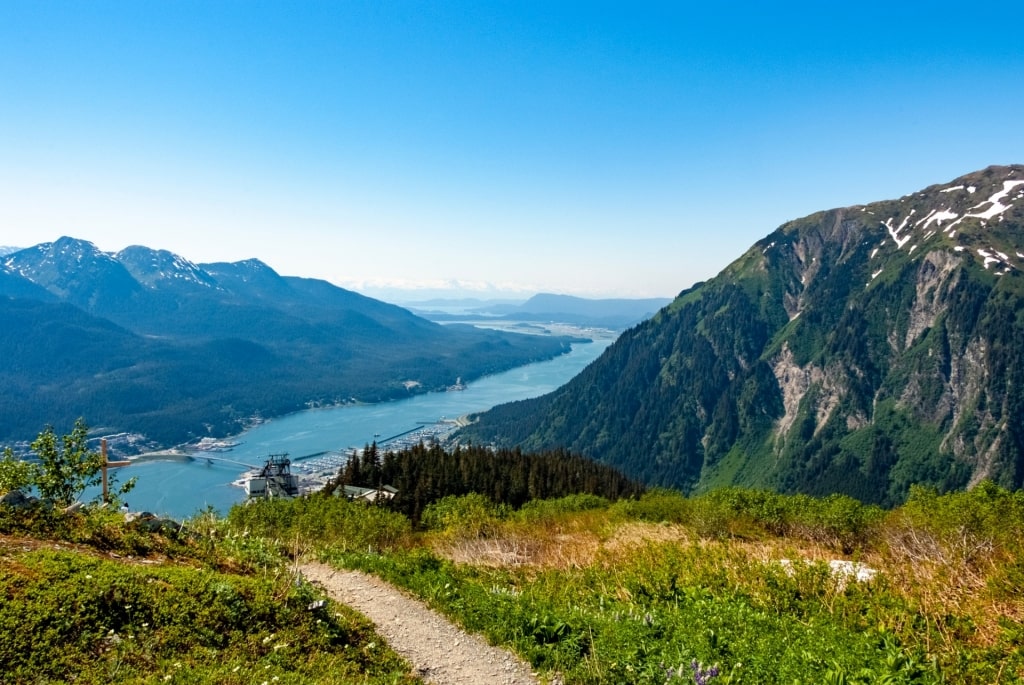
<point>423,475</point>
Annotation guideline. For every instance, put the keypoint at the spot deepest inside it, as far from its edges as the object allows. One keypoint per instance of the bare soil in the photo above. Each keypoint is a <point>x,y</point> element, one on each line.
<point>439,651</point>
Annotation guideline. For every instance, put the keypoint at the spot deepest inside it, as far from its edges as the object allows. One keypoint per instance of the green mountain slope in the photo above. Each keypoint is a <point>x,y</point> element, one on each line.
<point>144,341</point>
<point>857,350</point>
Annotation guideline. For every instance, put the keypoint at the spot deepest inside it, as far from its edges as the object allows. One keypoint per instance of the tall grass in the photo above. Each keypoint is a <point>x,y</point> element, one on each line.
<point>736,578</point>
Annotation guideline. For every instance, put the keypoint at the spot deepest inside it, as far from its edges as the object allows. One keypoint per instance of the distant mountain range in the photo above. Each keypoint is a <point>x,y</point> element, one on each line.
<point>146,341</point>
<point>857,350</point>
<point>616,314</point>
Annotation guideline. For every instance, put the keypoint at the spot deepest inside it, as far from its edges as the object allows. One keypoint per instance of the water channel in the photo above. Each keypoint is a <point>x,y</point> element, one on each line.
<point>179,488</point>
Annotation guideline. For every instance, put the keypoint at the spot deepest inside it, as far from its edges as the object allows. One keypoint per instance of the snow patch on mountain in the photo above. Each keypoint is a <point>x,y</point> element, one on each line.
<point>152,266</point>
<point>997,206</point>
<point>947,218</point>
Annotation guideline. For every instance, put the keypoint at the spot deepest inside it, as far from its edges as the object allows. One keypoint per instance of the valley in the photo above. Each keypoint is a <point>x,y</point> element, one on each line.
<point>151,344</point>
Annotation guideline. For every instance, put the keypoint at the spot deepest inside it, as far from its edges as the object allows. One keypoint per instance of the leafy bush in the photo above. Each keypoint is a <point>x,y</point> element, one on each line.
<point>535,510</point>
<point>837,521</point>
<point>66,467</point>
<point>469,516</point>
<point>300,524</point>
<point>102,529</point>
<point>972,539</point>
<point>15,474</point>
<point>657,506</point>
<point>71,617</point>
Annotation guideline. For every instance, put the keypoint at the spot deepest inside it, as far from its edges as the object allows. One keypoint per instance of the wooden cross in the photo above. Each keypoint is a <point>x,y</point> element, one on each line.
<point>108,464</point>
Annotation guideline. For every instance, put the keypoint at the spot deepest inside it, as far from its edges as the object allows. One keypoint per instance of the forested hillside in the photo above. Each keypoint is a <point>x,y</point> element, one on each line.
<point>145,341</point>
<point>858,350</point>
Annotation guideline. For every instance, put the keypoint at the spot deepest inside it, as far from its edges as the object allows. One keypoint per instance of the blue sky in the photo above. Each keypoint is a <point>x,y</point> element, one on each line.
<point>598,149</point>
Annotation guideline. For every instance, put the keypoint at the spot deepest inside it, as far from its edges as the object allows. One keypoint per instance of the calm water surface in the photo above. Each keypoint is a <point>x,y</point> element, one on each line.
<point>180,488</point>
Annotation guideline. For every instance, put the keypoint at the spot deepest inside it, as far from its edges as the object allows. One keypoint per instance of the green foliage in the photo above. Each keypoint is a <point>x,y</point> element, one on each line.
<point>297,525</point>
<point>471,515</point>
<point>177,368</point>
<point>15,474</point>
<point>637,612</point>
<point>967,533</point>
<point>658,505</point>
<point>541,509</point>
<point>75,618</point>
<point>66,466</point>
<point>663,606</point>
<point>423,475</point>
<point>105,529</point>
<point>837,521</point>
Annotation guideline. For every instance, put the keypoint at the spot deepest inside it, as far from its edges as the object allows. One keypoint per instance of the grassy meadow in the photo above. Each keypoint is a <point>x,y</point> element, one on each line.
<point>734,586</point>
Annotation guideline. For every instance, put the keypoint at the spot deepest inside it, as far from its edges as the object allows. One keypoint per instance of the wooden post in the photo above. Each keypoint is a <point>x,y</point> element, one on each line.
<point>106,465</point>
<point>103,451</point>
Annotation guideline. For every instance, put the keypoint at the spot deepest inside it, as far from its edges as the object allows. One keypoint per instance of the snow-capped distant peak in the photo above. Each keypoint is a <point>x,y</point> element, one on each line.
<point>150,267</point>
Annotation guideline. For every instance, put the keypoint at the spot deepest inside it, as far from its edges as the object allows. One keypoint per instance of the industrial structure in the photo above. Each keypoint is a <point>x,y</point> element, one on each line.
<point>275,479</point>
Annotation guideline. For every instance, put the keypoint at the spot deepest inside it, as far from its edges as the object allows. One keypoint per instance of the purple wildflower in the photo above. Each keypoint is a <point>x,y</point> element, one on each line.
<point>702,676</point>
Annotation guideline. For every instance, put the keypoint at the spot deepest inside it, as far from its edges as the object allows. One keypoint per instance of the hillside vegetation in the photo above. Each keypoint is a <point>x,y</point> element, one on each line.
<point>859,350</point>
<point>643,590</point>
<point>90,598</point>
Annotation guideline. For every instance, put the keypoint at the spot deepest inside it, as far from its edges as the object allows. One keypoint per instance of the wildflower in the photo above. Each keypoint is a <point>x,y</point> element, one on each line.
<point>702,676</point>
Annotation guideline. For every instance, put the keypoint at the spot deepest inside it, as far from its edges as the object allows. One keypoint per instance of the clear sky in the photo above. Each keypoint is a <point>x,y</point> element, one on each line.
<point>599,149</point>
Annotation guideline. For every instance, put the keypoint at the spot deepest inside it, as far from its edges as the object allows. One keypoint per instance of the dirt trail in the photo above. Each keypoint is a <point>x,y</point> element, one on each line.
<point>439,652</point>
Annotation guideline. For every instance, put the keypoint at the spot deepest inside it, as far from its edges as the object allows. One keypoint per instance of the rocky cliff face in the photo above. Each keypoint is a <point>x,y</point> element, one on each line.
<point>856,350</point>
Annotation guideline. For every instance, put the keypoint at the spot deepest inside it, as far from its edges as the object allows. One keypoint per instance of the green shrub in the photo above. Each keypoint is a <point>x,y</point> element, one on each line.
<point>15,474</point>
<point>73,618</point>
<point>318,521</point>
<point>656,506</point>
<point>537,510</point>
<point>470,516</point>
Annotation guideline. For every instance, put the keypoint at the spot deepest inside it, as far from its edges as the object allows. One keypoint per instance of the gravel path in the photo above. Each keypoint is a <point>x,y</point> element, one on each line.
<point>439,652</point>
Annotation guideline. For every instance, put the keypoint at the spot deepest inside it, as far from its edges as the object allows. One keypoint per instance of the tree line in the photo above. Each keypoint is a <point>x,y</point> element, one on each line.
<point>424,474</point>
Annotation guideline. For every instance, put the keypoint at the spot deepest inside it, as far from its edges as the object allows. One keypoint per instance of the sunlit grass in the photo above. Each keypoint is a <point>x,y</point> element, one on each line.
<point>624,592</point>
<point>586,590</point>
